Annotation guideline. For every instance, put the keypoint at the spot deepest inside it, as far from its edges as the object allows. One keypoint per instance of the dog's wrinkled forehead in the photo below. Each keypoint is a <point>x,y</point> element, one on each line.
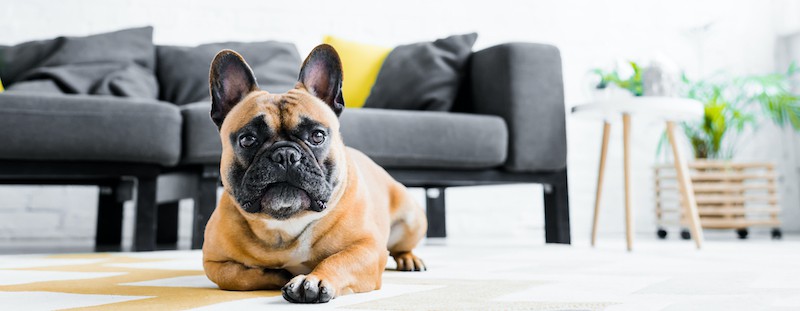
<point>280,111</point>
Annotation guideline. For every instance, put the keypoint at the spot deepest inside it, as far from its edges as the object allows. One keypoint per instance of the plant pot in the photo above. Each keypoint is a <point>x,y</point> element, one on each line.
<point>729,195</point>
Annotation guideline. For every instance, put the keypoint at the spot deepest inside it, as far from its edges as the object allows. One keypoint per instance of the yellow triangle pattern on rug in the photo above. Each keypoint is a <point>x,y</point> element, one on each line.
<point>156,297</point>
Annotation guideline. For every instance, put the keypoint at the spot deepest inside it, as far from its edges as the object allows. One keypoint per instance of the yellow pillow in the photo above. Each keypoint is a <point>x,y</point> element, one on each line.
<point>361,64</point>
<point>1,86</point>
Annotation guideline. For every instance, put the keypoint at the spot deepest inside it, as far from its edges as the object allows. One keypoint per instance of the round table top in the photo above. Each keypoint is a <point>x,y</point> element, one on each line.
<point>669,108</point>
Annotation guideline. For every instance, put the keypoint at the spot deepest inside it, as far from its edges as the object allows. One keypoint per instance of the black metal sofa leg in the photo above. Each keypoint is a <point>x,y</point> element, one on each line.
<point>111,199</point>
<point>556,209</point>
<point>167,224</point>
<point>434,201</point>
<point>205,200</point>
<point>144,235</point>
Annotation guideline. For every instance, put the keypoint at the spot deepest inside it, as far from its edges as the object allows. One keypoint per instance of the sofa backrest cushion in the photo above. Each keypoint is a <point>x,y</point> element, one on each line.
<point>119,63</point>
<point>422,76</point>
<point>361,63</point>
<point>2,64</point>
<point>183,71</point>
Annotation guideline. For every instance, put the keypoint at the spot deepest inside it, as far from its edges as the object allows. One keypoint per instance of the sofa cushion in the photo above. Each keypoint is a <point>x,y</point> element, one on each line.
<point>399,139</point>
<point>426,139</point>
<point>361,63</point>
<point>183,71</point>
<point>422,76</point>
<point>88,128</point>
<point>201,143</point>
<point>119,63</point>
<point>2,64</point>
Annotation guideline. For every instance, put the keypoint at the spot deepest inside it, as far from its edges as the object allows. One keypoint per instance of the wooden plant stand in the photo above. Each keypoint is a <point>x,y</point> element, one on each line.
<point>729,195</point>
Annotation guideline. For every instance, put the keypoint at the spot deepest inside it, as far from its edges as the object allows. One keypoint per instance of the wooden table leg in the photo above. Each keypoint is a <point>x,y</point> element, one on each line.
<point>626,138</point>
<point>603,152</point>
<point>687,190</point>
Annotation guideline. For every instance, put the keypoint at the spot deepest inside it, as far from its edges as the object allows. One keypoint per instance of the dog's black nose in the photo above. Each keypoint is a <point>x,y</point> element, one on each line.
<point>288,156</point>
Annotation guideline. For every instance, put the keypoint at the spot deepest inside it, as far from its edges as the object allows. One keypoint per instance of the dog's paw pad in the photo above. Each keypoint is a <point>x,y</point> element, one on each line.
<point>307,289</point>
<point>407,261</point>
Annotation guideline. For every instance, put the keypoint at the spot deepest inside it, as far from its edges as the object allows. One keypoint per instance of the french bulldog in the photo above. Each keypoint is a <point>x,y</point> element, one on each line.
<point>300,212</point>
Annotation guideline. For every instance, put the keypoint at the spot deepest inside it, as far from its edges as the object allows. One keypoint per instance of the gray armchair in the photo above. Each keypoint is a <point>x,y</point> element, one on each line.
<point>522,84</point>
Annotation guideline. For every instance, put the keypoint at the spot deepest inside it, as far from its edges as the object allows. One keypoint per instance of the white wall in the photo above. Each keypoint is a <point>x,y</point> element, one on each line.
<point>589,33</point>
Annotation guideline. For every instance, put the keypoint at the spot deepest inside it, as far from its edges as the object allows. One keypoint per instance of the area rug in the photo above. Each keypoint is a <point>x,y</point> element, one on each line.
<point>493,275</point>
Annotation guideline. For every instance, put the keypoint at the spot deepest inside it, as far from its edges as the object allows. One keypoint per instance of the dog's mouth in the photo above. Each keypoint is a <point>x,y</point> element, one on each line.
<point>282,200</point>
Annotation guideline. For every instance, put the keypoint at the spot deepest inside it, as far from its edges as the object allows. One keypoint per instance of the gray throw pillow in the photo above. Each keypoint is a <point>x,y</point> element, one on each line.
<point>422,76</point>
<point>183,71</point>
<point>119,63</point>
<point>3,49</point>
<point>15,60</point>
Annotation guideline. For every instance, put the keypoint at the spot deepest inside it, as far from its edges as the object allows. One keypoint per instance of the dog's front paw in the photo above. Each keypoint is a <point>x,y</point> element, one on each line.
<point>308,289</point>
<point>407,261</point>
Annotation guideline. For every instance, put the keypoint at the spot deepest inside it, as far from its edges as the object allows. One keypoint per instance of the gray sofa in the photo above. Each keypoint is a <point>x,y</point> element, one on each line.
<point>507,127</point>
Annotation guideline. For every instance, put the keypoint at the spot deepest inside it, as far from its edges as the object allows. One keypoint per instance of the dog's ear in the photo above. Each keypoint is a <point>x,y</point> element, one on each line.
<point>321,75</point>
<point>231,79</point>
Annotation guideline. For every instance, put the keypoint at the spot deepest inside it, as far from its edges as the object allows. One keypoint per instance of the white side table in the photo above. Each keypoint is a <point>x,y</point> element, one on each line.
<point>670,109</point>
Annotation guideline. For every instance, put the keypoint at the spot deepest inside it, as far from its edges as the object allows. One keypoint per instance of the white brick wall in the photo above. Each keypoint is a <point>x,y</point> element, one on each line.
<point>589,33</point>
<point>40,212</point>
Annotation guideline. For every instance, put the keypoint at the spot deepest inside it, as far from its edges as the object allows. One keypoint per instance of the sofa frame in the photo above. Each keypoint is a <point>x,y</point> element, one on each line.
<point>556,198</point>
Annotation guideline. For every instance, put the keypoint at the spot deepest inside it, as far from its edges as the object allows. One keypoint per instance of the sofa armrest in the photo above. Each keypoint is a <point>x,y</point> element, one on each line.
<point>522,83</point>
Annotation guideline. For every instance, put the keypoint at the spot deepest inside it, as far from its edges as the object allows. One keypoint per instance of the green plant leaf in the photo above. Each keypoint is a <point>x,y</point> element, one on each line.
<point>731,106</point>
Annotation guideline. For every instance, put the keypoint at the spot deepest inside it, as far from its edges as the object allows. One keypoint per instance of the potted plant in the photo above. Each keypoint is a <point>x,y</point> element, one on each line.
<point>733,105</point>
<point>726,190</point>
<point>607,79</point>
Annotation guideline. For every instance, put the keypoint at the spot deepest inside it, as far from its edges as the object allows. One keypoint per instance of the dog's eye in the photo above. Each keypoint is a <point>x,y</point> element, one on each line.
<point>247,141</point>
<point>317,137</point>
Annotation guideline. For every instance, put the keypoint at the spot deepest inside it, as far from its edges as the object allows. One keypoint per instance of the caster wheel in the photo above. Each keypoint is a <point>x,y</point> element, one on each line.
<point>776,234</point>
<point>685,234</point>
<point>742,233</point>
<point>662,234</point>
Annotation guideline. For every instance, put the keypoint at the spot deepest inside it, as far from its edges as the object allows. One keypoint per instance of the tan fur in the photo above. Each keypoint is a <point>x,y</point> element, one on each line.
<point>343,247</point>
